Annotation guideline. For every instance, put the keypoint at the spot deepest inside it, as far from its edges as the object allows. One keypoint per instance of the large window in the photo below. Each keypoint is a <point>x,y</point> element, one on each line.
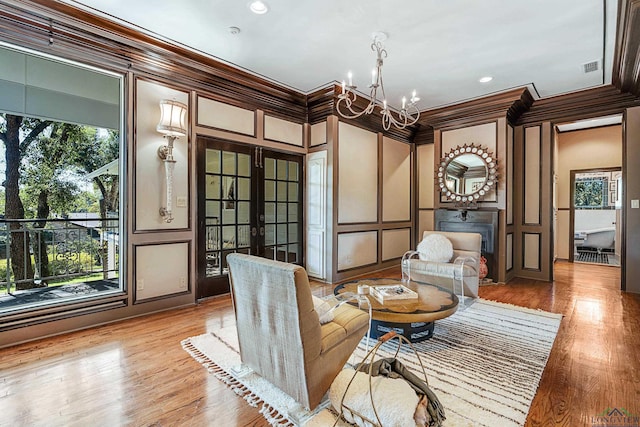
<point>60,199</point>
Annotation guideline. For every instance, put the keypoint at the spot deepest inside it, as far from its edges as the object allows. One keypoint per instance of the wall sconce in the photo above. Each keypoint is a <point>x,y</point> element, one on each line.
<point>173,124</point>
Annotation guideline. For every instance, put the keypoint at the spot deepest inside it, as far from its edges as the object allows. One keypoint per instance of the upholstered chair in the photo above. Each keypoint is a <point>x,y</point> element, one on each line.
<point>460,273</point>
<point>279,331</point>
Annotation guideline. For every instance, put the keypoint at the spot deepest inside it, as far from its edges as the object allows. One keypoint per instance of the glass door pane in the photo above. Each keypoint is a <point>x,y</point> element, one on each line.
<point>225,206</point>
<point>282,205</point>
<point>249,201</point>
<point>228,206</point>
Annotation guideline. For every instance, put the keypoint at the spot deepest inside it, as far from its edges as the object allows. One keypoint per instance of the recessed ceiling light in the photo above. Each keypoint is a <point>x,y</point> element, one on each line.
<point>258,7</point>
<point>485,79</point>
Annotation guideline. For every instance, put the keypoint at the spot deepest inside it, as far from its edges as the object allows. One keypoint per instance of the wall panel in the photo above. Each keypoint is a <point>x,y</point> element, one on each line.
<point>532,163</point>
<point>485,134</point>
<point>396,180</point>
<point>509,252</point>
<point>357,249</point>
<point>426,185</point>
<point>161,270</point>
<point>357,175</point>
<point>395,243</point>
<point>426,222</point>
<point>283,131</point>
<point>226,117</point>
<point>509,177</point>
<point>531,246</point>
<point>318,134</point>
<point>564,240</point>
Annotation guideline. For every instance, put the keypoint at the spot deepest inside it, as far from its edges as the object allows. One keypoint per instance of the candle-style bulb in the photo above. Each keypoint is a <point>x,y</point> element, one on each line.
<point>373,76</point>
<point>350,76</point>
<point>384,104</point>
<point>404,102</point>
<point>343,86</point>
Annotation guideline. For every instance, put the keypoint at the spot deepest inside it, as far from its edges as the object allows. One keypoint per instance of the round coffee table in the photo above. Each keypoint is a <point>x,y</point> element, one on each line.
<point>412,318</point>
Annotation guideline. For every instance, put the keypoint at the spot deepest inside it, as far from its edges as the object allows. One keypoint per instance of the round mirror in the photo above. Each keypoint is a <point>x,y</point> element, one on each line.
<point>466,174</point>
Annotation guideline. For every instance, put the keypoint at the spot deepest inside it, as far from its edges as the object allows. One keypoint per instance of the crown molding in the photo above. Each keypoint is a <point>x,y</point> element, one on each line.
<point>424,135</point>
<point>510,104</point>
<point>596,102</point>
<point>320,104</point>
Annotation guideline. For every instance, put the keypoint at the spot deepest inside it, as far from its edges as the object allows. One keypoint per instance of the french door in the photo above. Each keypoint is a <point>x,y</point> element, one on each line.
<point>249,201</point>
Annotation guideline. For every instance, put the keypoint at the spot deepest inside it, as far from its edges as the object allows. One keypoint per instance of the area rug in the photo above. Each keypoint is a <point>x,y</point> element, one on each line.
<point>484,363</point>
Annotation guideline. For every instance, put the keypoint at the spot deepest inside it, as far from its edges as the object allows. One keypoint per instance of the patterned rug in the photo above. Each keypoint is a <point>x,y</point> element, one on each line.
<point>484,363</point>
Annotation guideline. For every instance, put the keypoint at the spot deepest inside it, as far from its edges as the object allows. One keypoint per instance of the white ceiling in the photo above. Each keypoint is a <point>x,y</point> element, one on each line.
<point>440,48</point>
<point>590,123</point>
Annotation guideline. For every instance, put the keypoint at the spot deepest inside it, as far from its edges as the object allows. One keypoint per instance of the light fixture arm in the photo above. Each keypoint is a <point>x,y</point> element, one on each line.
<point>165,152</point>
<point>408,114</point>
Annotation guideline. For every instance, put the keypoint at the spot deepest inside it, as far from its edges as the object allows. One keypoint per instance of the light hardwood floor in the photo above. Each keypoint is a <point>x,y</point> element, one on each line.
<point>135,372</point>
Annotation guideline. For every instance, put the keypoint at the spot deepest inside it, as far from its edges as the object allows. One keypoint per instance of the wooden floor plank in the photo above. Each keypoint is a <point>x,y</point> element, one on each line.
<point>136,373</point>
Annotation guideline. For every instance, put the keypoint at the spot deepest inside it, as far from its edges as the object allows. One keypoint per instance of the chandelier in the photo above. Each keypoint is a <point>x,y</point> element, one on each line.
<point>406,116</point>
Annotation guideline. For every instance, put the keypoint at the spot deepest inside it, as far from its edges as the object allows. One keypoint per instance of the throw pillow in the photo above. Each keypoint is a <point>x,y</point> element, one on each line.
<point>435,247</point>
<point>323,309</point>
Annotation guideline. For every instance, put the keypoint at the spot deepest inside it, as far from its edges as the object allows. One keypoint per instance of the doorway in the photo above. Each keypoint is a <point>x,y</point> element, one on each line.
<point>249,201</point>
<point>595,216</point>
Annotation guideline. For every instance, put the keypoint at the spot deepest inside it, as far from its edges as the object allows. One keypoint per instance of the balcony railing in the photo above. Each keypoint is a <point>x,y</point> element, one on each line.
<point>48,252</point>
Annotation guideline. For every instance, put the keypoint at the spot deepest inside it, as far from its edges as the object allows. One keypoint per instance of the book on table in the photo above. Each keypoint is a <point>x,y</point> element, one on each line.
<point>392,293</point>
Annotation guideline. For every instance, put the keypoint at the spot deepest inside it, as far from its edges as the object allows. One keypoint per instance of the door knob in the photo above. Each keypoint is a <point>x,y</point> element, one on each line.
<point>254,231</point>
<point>261,231</point>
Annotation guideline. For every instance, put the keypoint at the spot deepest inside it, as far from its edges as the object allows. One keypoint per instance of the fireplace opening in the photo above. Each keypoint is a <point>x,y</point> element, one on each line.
<point>483,222</point>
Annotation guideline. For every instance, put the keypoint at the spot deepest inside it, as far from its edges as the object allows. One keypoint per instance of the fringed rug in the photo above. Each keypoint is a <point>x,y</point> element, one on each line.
<point>484,363</point>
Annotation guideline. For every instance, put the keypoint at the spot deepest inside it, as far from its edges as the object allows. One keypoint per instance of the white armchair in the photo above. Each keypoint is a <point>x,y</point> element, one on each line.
<point>460,273</point>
